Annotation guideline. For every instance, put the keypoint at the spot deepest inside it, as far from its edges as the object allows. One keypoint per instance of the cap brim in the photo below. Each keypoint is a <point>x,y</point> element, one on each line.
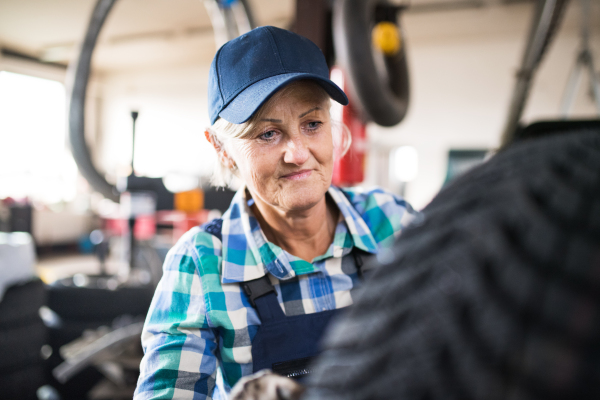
<point>245,104</point>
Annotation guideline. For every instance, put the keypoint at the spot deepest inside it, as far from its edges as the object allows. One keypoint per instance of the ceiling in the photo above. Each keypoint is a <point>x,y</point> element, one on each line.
<point>142,34</point>
<point>136,33</point>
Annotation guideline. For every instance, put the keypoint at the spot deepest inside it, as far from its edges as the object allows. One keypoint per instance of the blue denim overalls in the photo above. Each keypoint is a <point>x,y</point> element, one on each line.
<point>283,344</point>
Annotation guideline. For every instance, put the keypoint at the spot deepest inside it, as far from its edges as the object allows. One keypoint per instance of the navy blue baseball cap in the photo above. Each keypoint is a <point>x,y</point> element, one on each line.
<point>249,69</point>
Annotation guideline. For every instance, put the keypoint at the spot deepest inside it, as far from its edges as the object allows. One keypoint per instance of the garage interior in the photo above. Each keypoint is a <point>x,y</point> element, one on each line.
<point>145,116</point>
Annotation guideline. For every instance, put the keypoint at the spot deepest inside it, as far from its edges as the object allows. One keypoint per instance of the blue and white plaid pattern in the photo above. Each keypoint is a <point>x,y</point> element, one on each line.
<point>199,330</point>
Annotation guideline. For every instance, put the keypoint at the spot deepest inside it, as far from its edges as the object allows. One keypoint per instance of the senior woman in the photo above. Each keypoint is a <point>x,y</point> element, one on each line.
<point>256,288</point>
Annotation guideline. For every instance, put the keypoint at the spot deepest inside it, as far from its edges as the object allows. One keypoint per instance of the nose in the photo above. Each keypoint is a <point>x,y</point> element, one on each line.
<point>296,150</point>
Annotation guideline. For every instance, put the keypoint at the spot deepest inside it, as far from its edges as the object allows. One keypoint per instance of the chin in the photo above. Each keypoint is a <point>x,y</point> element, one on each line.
<point>303,197</point>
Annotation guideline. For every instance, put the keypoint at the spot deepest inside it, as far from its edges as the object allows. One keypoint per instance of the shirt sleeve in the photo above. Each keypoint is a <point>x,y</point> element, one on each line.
<point>180,347</point>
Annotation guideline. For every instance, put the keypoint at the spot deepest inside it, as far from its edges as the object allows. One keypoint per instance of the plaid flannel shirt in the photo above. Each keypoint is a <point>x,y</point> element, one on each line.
<point>198,333</point>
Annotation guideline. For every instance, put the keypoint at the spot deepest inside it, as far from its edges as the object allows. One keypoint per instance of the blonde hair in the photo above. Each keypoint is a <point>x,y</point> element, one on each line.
<point>222,131</point>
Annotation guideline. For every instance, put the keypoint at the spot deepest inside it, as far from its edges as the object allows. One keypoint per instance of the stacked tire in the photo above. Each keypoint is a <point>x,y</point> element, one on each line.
<point>88,308</point>
<point>22,338</point>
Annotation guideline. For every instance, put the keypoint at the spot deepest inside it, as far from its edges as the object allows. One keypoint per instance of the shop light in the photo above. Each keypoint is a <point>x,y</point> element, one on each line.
<point>405,163</point>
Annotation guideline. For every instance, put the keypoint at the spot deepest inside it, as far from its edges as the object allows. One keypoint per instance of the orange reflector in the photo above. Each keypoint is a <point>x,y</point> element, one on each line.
<point>190,201</point>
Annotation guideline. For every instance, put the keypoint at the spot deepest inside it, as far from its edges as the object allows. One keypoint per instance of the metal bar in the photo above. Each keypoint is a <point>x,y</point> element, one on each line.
<point>594,81</point>
<point>92,352</point>
<point>585,24</point>
<point>584,62</point>
<point>241,17</point>
<point>589,60</point>
<point>571,89</point>
<point>538,40</point>
<point>229,20</point>
<point>217,20</point>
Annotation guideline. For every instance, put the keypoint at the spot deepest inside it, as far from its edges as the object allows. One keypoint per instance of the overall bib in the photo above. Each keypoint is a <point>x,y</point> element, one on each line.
<point>283,344</point>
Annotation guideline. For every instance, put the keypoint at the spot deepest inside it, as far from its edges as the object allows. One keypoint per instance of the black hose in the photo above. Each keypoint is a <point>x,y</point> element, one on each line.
<point>79,148</point>
<point>379,98</point>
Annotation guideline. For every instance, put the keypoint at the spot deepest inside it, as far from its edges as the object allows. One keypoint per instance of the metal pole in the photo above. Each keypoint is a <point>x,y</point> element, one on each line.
<point>585,41</point>
<point>583,62</point>
<point>229,19</point>
<point>544,20</point>
<point>134,116</point>
<point>571,88</point>
<point>594,81</point>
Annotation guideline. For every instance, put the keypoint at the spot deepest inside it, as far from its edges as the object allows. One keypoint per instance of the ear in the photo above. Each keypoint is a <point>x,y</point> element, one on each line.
<point>220,149</point>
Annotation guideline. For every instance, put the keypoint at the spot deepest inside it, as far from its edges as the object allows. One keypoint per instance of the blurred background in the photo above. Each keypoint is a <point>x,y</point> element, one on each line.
<point>145,112</point>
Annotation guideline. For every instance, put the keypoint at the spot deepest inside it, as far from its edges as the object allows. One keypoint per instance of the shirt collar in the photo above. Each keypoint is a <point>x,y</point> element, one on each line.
<point>247,254</point>
<point>360,232</point>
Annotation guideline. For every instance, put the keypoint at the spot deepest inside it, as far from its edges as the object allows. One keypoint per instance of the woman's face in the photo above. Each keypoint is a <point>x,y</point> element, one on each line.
<point>287,161</point>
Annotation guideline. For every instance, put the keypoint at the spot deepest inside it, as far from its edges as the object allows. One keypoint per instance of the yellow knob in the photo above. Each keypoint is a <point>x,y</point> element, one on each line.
<point>386,38</point>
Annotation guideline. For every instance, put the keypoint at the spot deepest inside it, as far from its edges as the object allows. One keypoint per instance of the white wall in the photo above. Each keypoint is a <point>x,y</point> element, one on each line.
<point>170,127</point>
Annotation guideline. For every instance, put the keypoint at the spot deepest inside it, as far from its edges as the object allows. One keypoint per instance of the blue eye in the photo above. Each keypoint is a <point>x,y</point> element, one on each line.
<point>314,125</point>
<point>267,135</point>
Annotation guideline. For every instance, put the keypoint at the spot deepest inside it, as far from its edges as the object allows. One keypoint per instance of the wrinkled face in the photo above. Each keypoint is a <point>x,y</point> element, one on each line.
<point>287,161</point>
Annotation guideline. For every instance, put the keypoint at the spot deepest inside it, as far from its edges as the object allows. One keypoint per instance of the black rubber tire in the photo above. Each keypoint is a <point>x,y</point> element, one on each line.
<point>21,303</point>
<point>91,304</point>
<point>496,295</point>
<point>22,345</point>
<point>22,383</point>
<point>384,103</point>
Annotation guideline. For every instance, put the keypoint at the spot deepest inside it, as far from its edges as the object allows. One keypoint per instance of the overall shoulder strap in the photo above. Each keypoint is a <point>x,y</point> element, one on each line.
<point>263,297</point>
<point>359,256</point>
<point>257,288</point>
<point>214,227</point>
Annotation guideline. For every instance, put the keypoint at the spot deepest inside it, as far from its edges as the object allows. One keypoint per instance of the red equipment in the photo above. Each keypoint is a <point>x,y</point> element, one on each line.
<point>349,170</point>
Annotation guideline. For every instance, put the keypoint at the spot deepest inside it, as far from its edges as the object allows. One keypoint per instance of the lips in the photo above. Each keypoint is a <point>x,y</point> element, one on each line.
<point>297,175</point>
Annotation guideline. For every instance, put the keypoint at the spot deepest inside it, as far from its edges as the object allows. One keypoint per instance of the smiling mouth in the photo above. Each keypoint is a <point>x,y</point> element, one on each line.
<point>305,173</point>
